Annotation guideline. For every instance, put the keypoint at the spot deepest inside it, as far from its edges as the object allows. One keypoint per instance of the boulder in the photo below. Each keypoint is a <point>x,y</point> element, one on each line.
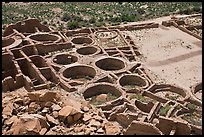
<point>68,110</point>
<point>48,96</point>
<point>26,124</point>
<point>86,117</point>
<point>101,97</point>
<point>51,120</point>
<point>94,123</point>
<point>112,128</point>
<point>43,131</point>
<point>11,120</point>
<point>55,107</point>
<point>33,126</point>
<point>8,109</point>
<point>55,114</point>
<point>33,107</point>
<point>42,119</point>
<point>34,96</point>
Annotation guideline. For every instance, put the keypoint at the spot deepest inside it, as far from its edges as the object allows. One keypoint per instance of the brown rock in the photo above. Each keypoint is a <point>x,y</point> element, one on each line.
<point>86,117</point>
<point>70,119</point>
<point>94,123</point>
<point>112,128</point>
<point>8,109</point>
<point>11,120</point>
<point>101,97</point>
<point>48,96</point>
<point>100,130</point>
<point>26,117</point>
<point>16,128</point>
<point>85,109</point>
<point>97,117</point>
<point>77,116</point>
<point>33,107</point>
<point>55,114</point>
<point>42,119</point>
<point>78,129</point>
<point>48,104</point>
<point>34,96</point>
<point>55,107</point>
<point>51,120</point>
<point>89,130</point>
<point>26,100</point>
<point>33,125</point>
<point>26,124</point>
<point>68,110</point>
<point>6,99</point>
<point>43,131</point>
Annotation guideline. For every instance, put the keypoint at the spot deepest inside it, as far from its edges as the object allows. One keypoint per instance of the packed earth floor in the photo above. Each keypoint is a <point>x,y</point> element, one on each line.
<point>142,78</point>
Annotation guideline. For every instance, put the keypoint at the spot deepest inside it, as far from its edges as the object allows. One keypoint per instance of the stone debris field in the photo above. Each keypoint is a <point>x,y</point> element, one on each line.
<point>133,79</point>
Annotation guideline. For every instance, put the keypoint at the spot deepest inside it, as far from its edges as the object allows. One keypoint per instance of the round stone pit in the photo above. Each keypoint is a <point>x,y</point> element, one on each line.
<point>100,93</point>
<point>82,40</point>
<point>110,64</point>
<point>129,81</point>
<point>88,50</point>
<point>64,59</point>
<point>45,37</point>
<point>10,43</point>
<point>78,72</point>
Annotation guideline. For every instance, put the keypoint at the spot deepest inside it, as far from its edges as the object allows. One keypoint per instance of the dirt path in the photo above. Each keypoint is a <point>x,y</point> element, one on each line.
<point>174,59</point>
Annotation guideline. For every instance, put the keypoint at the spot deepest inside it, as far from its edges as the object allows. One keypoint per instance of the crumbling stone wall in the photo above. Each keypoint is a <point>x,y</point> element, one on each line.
<point>96,62</point>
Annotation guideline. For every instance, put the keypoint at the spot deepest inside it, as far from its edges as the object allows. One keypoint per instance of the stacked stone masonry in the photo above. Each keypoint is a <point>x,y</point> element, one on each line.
<point>98,61</point>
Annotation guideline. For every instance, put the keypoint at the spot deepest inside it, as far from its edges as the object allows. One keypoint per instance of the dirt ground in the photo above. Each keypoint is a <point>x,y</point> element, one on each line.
<point>171,54</point>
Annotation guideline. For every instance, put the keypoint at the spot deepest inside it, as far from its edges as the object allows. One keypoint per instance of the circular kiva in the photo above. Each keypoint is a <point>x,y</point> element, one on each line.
<point>102,88</point>
<point>88,50</point>
<point>45,37</point>
<point>187,115</point>
<point>132,81</point>
<point>169,91</point>
<point>10,43</point>
<point>110,64</point>
<point>77,72</point>
<point>82,40</point>
<point>64,59</point>
<point>106,35</point>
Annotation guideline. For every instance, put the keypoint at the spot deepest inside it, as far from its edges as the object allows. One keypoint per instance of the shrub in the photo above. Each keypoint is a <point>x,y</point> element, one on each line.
<point>92,20</point>
<point>77,18</point>
<point>128,18</point>
<point>197,9</point>
<point>141,11</point>
<point>66,17</point>
<point>163,110</point>
<point>115,19</point>
<point>73,25</point>
<point>101,19</point>
<point>191,106</point>
<point>99,24</point>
